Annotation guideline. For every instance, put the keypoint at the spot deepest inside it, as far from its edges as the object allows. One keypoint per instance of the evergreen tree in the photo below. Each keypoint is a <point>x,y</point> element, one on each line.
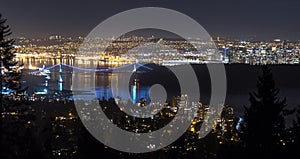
<point>10,74</point>
<point>16,119</point>
<point>263,129</point>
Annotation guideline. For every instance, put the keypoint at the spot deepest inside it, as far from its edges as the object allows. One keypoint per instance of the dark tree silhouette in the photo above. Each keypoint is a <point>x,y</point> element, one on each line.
<point>263,129</point>
<point>10,74</point>
<point>16,119</point>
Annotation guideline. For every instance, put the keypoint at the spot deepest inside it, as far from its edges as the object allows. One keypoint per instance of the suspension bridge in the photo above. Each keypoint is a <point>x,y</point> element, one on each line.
<point>128,67</point>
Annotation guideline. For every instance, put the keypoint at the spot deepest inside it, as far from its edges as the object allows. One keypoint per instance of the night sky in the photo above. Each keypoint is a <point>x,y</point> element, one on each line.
<point>242,19</point>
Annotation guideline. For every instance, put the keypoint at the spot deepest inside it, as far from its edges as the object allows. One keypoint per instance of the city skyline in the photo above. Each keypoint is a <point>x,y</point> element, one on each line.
<point>163,79</point>
<point>245,20</point>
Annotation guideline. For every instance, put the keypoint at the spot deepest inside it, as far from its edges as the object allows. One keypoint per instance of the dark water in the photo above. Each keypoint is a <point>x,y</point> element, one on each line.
<point>241,79</point>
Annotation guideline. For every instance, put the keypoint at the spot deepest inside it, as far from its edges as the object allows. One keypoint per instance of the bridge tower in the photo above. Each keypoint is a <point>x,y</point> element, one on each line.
<point>134,67</point>
<point>60,81</point>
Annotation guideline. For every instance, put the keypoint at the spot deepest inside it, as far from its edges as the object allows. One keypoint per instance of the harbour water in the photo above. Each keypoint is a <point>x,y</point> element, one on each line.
<point>84,77</point>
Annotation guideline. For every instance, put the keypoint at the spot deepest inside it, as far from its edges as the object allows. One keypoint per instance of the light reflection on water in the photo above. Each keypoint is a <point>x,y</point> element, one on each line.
<point>241,81</point>
<point>85,84</point>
